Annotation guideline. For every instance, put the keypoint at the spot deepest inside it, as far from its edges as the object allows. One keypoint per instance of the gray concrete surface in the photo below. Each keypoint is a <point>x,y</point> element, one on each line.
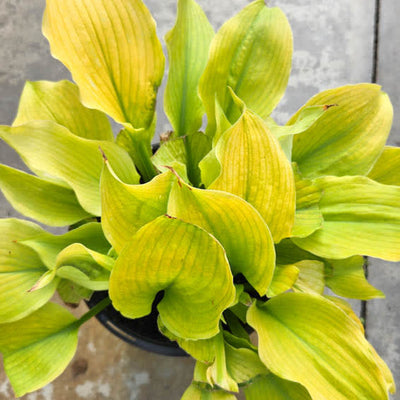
<point>383,316</point>
<point>333,46</point>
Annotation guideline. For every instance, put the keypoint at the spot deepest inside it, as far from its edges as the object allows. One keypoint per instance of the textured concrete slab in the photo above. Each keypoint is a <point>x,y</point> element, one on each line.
<point>107,368</point>
<point>384,315</point>
<point>333,46</point>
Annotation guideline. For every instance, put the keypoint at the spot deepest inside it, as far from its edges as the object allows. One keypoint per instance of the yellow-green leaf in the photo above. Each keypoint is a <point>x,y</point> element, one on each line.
<point>252,54</point>
<point>387,168</point>
<point>243,364</point>
<point>184,261</point>
<point>238,226</point>
<point>46,279</point>
<point>137,143</point>
<point>85,267</point>
<point>113,54</point>
<point>51,150</point>
<point>222,122</point>
<point>307,339</point>
<point>183,155</point>
<point>60,102</point>
<point>311,277</point>
<point>347,279</point>
<point>254,167</point>
<point>20,269</point>
<point>360,217</point>
<point>308,217</point>
<point>42,349</point>
<point>284,278</point>
<point>198,392</point>
<point>347,139</point>
<point>275,388</point>
<point>305,119</point>
<point>188,43</point>
<point>72,293</point>
<point>288,253</point>
<point>217,373</point>
<point>387,374</point>
<point>202,350</point>
<point>40,199</point>
<point>172,154</point>
<point>47,245</point>
<point>126,208</point>
<point>346,307</point>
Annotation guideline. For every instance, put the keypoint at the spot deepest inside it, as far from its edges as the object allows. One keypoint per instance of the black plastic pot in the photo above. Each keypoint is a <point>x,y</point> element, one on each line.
<point>141,332</point>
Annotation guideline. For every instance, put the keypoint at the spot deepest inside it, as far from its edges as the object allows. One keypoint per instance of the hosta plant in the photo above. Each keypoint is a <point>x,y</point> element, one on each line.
<point>239,223</point>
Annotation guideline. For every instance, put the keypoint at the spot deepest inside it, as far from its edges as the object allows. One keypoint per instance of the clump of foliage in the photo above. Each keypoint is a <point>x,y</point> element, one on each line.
<point>244,223</point>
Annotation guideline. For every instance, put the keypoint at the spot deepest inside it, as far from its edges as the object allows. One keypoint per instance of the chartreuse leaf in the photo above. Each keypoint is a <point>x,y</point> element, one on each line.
<point>20,269</point>
<point>183,155</point>
<point>347,139</point>
<point>222,123</point>
<point>217,373</point>
<point>210,168</point>
<point>347,279</point>
<point>387,168</point>
<point>305,119</point>
<point>307,339</point>
<point>72,293</point>
<point>284,278</point>
<point>85,267</point>
<point>198,284</point>
<point>288,253</point>
<point>47,245</point>
<point>42,349</point>
<point>200,372</point>
<point>243,364</point>
<point>219,362</point>
<point>201,392</point>
<point>202,350</point>
<point>137,143</point>
<point>235,224</point>
<point>346,307</point>
<point>311,277</point>
<point>187,43</point>
<point>172,154</point>
<point>269,185</point>
<point>113,54</point>
<point>252,54</point>
<point>126,208</point>
<point>60,102</point>
<point>44,280</point>
<point>40,199</point>
<point>51,150</point>
<point>387,374</point>
<point>275,388</point>
<point>308,217</point>
<point>360,217</point>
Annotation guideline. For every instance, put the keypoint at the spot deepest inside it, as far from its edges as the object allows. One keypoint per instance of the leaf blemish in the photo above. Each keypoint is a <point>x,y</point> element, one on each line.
<point>328,106</point>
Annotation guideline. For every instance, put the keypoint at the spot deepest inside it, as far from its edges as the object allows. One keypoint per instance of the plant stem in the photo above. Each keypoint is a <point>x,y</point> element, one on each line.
<point>141,154</point>
<point>189,162</point>
<point>94,311</point>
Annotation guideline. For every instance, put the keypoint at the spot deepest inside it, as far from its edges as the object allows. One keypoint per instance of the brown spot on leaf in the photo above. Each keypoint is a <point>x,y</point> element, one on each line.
<point>327,106</point>
<point>165,136</point>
